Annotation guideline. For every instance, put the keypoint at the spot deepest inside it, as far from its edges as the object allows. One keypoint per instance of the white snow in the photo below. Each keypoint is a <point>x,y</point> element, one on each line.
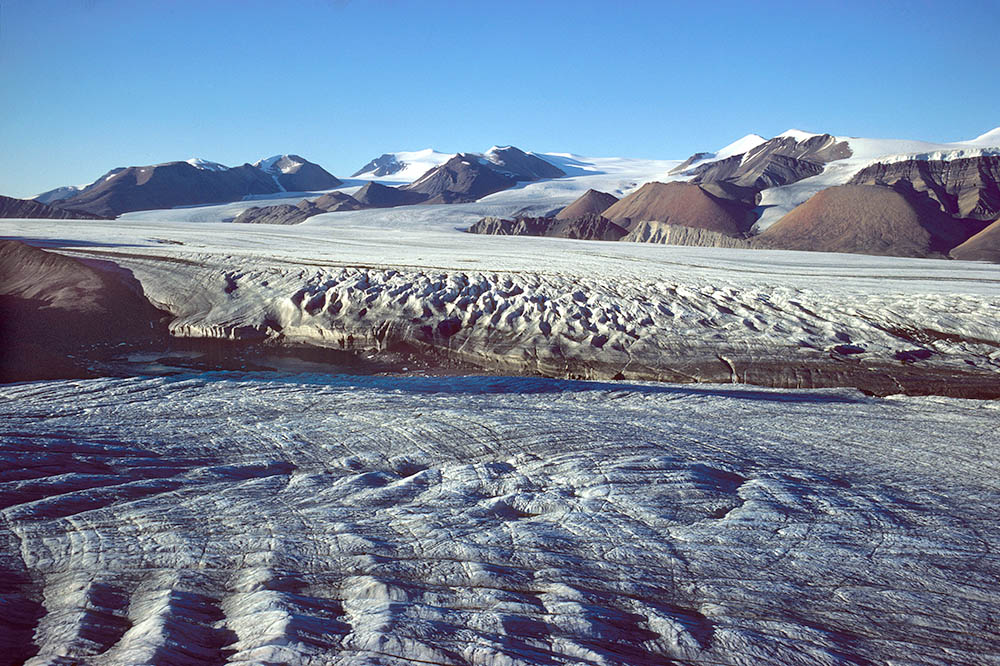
<point>278,164</point>
<point>796,134</point>
<point>317,518</point>
<point>417,163</point>
<point>991,138</point>
<point>778,201</point>
<point>740,146</point>
<point>207,165</point>
<point>250,518</point>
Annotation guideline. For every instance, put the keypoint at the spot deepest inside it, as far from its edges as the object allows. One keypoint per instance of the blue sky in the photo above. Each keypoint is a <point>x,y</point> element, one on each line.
<point>87,85</point>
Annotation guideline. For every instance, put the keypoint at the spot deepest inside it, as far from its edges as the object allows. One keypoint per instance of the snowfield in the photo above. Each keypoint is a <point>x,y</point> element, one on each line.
<point>307,519</point>
<point>366,280</point>
<point>247,518</point>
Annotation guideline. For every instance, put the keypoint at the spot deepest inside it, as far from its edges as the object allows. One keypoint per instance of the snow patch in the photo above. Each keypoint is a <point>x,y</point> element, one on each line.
<point>206,165</point>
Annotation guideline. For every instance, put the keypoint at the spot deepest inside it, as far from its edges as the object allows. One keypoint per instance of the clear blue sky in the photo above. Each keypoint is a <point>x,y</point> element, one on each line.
<point>87,85</point>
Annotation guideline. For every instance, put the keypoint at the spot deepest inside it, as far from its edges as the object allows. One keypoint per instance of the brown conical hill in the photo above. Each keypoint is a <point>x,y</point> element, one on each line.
<point>865,219</point>
<point>984,246</point>
<point>681,203</point>
<point>592,202</point>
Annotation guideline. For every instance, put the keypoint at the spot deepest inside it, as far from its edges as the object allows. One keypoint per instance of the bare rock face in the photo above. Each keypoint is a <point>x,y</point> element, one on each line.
<point>468,177</point>
<point>984,246</point>
<point>686,164</point>
<point>297,174</point>
<point>652,231</point>
<point>592,202</point>
<point>461,179</point>
<point>376,195</point>
<point>27,208</point>
<point>332,202</point>
<point>780,161</point>
<point>58,194</point>
<point>293,214</point>
<point>965,188</point>
<point>51,304</point>
<point>383,165</point>
<point>866,219</point>
<point>168,185</point>
<point>684,204</point>
<point>522,166</point>
<point>585,227</point>
<point>281,214</point>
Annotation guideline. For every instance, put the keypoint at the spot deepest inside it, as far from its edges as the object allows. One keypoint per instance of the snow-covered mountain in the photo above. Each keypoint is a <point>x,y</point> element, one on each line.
<point>403,166</point>
<point>292,173</point>
<point>189,182</point>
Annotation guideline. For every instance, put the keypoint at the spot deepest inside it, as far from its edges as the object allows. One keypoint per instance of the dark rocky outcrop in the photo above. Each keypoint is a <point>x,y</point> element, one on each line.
<point>51,305</point>
<point>684,204</point>
<point>686,164</point>
<point>169,185</point>
<point>383,165</point>
<point>780,161</point>
<point>280,214</point>
<point>293,214</point>
<point>522,166</point>
<point>28,208</point>
<point>297,174</point>
<point>591,203</point>
<point>665,233</point>
<point>866,219</point>
<point>984,246</point>
<point>461,179</point>
<point>468,177</point>
<point>60,193</point>
<point>965,188</point>
<point>376,195</point>
<point>331,202</point>
<point>585,227</point>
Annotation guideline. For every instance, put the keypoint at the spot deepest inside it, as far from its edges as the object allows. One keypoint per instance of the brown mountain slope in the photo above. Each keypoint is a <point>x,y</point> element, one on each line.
<point>865,219</point>
<point>461,179</point>
<point>780,161</point>
<point>51,304</point>
<point>586,227</point>
<point>680,203</point>
<point>168,185</point>
<point>966,188</point>
<point>592,202</point>
<point>26,208</point>
<point>293,214</point>
<point>984,246</point>
<point>377,195</point>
